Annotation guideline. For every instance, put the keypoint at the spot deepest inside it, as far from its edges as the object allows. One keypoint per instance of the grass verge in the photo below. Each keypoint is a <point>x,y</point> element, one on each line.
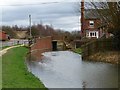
<point>14,70</point>
<point>0,73</point>
<point>4,47</point>
<point>78,50</point>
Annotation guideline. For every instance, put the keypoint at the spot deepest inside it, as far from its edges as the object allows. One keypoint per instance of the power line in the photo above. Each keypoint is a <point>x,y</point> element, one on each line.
<point>32,4</point>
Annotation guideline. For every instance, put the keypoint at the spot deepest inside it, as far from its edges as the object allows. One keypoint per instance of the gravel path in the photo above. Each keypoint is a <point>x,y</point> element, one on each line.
<point>2,52</point>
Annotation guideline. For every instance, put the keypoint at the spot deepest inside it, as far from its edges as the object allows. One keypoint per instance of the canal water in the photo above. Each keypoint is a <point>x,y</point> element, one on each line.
<point>65,69</point>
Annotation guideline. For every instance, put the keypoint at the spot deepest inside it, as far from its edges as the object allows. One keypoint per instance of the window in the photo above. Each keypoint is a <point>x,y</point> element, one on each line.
<point>91,23</point>
<point>93,34</point>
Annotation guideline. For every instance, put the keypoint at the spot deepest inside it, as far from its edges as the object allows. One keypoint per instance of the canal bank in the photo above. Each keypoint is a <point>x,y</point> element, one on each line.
<point>101,50</point>
<point>65,69</point>
<point>112,57</point>
<point>14,71</point>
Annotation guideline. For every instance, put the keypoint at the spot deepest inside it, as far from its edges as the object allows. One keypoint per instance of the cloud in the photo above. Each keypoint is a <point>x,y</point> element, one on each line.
<point>69,23</point>
<point>60,15</point>
<point>14,2</point>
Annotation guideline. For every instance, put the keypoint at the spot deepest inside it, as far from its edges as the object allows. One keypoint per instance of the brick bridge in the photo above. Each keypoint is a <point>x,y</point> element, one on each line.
<point>44,44</point>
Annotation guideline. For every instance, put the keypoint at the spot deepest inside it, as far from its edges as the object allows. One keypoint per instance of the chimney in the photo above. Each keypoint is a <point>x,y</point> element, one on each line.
<point>82,18</point>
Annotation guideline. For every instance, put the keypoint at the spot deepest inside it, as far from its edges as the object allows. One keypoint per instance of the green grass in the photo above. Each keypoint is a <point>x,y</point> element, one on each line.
<point>14,70</point>
<point>5,47</point>
<point>78,50</point>
<point>0,73</point>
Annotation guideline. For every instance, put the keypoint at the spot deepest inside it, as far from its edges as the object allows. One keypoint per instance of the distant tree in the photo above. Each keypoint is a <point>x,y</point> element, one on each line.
<point>76,35</point>
<point>41,30</point>
<point>9,31</point>
<point>15,28</point>
<point>35,31</point>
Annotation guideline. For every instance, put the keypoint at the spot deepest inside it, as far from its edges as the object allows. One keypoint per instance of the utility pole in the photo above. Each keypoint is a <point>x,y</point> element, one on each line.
<point>30,35</point>
<point>30,25</point>
<point>30,39</point>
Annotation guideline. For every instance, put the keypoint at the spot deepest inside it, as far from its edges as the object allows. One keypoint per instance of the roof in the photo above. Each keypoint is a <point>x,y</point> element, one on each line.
<point>91,14</point>
<point>94,13</point>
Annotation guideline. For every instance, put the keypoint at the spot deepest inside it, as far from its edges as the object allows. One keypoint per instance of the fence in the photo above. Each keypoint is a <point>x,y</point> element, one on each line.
<point>96,46</point>
<point>13,42</point>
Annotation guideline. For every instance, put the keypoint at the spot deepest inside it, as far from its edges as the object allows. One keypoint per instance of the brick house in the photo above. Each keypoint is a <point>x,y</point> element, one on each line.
<point>3,36</point>
<point>92,25</point>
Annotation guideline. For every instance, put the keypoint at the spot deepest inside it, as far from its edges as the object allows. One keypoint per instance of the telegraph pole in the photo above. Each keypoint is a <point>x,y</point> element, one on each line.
<point>30,35</point>
<point>30,25</point>
<point>30,40</point>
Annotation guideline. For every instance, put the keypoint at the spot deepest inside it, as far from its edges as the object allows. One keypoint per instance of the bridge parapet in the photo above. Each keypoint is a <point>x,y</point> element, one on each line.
<point>42,45</point>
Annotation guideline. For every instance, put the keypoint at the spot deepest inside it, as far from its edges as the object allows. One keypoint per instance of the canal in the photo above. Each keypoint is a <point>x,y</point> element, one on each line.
<point>65,69</point>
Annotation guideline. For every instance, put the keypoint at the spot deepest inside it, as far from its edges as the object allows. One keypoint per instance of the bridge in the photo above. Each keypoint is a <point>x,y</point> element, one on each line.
<point>46,44</point>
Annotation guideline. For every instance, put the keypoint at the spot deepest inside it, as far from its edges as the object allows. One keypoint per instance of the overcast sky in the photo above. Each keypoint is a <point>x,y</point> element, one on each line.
<point>61,14</point>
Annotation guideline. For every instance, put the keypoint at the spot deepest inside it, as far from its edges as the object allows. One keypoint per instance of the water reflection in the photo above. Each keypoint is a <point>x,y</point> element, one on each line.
<point>65,69</point>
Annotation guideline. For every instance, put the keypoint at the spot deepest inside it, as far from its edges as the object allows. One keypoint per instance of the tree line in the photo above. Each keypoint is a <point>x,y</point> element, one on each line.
<point>40,30</point>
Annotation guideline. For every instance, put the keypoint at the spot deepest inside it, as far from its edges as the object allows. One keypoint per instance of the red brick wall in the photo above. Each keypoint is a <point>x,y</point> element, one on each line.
<point>96,23</point>
<point>3,35</point>
<point>82,18</point>
<point>42,45</point>
<point>86,25</point>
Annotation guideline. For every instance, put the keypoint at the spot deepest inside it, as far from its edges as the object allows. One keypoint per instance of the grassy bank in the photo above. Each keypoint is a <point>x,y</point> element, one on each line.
<point>78,50</point>
<point>107,56</point>
<point>4,47</point>
<point>103,56</point>
<point>14,70</point>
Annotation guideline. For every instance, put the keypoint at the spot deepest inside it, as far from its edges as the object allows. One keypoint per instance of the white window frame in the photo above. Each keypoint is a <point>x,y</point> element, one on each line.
<point>92,34</point>
<point>91,22</point>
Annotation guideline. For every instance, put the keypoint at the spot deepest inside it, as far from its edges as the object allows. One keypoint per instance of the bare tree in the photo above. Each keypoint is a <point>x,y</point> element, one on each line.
<point>109,13</point>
